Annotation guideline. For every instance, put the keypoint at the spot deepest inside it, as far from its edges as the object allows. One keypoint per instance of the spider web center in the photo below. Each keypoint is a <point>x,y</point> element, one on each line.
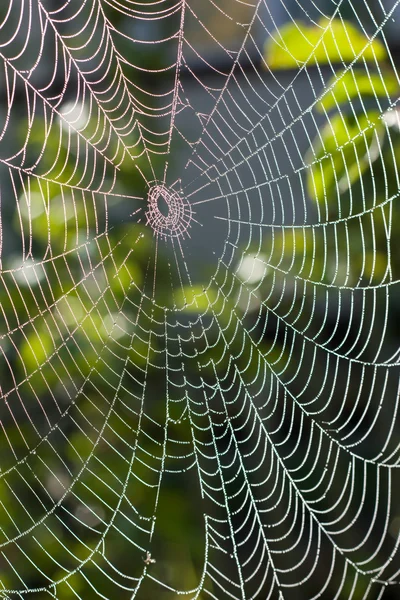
<point>168,214</point>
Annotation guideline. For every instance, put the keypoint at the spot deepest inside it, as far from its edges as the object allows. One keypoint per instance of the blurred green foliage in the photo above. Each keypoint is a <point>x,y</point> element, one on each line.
<point>351,177</point>
<point>80,340</point>
<point>329,41</point>
<point>73,315</point>
<point>352,164</point>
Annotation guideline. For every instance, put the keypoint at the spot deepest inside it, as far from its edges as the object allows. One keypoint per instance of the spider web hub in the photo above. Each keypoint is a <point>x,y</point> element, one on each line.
<point>167,213</point>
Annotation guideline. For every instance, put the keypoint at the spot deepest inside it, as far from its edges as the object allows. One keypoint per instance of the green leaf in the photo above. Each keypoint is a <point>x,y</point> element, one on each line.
<point>328,42</point>
<point>36,349</point>
<point>357,83</point>
<point>345,153</point>
<point>197,299</point>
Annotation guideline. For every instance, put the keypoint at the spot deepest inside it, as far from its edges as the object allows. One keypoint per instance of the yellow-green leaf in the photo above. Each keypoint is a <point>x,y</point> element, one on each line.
<point>357,83</point>
<point>327,42</point>
<point>196,299</point>
<point>347,148</point>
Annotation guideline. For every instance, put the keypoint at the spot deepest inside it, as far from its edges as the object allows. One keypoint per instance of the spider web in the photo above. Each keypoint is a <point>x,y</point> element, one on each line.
<point>199,361</point>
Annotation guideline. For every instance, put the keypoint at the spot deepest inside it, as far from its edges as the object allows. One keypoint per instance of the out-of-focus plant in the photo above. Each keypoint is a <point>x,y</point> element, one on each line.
<point>312,274</point>
<point>77,348</point>
<point>329,41</point>
<point>352,165</point>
